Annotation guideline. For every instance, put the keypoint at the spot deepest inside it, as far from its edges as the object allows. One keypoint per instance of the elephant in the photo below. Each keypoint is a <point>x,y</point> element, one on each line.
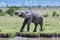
<point>30,17</point>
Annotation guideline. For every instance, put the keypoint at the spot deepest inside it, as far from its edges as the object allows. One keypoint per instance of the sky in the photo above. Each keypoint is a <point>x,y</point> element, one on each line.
<point>29,2</point>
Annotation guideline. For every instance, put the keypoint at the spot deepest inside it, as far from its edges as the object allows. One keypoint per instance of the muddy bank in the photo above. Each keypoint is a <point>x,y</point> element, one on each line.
<point>4,36</point>
<point>39,35</point>
<point>31,35</point>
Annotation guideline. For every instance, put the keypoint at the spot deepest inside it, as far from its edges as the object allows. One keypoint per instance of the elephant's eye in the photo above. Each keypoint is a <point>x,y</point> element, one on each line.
<point>26,12</point>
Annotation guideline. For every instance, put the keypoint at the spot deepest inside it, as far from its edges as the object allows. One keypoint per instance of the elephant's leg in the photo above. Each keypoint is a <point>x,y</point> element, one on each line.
<point>41,24</point>
<point>28,27</point>
<point>35,27</point>
<point>24,23</point>
<point>28,24</point>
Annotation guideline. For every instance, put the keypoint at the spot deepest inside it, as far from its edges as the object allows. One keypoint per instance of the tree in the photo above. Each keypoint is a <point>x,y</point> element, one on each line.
<point>11,10</point>
<point>54,13</point>
<point>0,10</point>
<point>7,6</point>
<point>39,6</point>
<point>47,6</point>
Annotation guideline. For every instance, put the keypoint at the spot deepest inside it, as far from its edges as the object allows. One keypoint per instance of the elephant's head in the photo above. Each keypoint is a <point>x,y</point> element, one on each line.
<point>23,14</point>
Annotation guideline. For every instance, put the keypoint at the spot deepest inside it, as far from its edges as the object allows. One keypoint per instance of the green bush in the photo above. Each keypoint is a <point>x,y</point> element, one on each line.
<point>14,7</point>
<point>11,10</point>
<point>54,13</point>
<point>45,15</point>
<point>57,15</point>
<point>0,10</point>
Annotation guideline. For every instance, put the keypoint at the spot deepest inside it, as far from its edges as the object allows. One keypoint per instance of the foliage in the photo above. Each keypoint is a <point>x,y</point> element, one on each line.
<point>11,10</point>
<point>57,15</point>
<point>54,13</point>
<point>0,10</point>
<point>45,15</point>
<point>14,7</point>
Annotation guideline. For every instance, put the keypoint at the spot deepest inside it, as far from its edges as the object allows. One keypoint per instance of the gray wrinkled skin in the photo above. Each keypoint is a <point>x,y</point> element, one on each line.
<point>30,16</point>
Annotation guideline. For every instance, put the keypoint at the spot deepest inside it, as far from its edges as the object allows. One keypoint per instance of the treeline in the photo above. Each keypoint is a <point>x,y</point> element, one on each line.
<point>9,11</point>
<point>40,6</point>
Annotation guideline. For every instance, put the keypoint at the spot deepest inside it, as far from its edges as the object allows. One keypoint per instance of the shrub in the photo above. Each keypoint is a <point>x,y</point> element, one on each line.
<point>54,13</point>
<point>45,15</point>
<point>57,15</point>
<point>0,10</point>
<point>11,10</point>
<point>14,7</point>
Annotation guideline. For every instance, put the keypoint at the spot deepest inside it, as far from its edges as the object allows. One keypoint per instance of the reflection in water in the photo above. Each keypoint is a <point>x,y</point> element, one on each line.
<point>24,38</point>
<point>20,38</point>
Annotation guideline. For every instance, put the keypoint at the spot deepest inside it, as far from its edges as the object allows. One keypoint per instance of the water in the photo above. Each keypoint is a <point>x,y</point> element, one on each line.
<point>24,38</point>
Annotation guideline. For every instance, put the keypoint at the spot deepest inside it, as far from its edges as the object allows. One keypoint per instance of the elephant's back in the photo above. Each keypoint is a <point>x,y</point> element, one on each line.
<point>37,14</point>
